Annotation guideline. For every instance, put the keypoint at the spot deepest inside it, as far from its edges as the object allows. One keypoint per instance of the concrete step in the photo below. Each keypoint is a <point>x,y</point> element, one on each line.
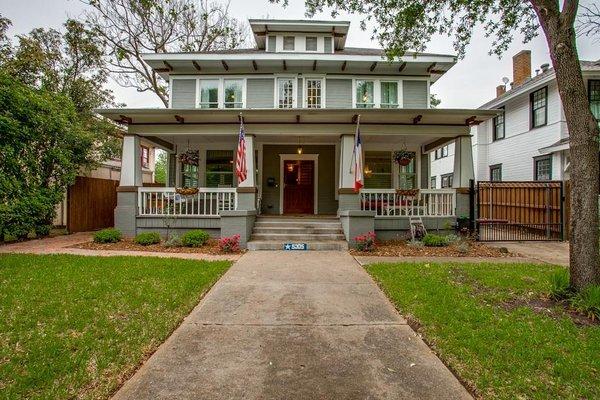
<point>339,245</point>
<point>307,225</point>
<point>302,237</point>
<point>297,229</point>
<point>297,219</point>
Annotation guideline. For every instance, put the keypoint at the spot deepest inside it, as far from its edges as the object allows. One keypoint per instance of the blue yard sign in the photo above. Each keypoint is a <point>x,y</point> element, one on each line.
<point>295,246</point>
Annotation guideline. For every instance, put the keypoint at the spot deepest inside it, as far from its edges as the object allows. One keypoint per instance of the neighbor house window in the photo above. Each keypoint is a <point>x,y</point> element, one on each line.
<point>145,156</point>
<point>378,170</point>
<point>447,180</point>
<point>594,96</point>
<point>441,152</point>
<point>285,87</point>
<point>219,168</point>
<point>389,94</point>
<point>311,43</point>
<point>289,42</point>
<point>209,93</point>
<point>539,107</point>
<point>233,93</point>
<point>499,129</point>
<point>432,182</point>
<point>496,173</point>
<point>407,177</point>
<point>365,94</point>
<point>189,175</point>
<point>313,92</point>
<point>543,168</point>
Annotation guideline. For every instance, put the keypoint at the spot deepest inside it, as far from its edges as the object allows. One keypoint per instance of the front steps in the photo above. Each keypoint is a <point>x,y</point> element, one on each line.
<point>319,233</point>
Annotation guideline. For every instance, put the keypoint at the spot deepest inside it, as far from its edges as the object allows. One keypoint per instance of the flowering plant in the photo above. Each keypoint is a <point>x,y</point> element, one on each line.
<point>229,244</point>
<point>403,157</point>
<point>365,242</point>
<point>190,157</point>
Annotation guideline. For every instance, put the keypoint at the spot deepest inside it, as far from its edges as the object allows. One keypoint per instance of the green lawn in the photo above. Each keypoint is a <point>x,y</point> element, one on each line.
<point>76,327</point>
<point>479,319</point>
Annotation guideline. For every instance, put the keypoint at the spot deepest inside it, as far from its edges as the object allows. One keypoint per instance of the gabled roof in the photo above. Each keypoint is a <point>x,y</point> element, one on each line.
<point>262,27</point>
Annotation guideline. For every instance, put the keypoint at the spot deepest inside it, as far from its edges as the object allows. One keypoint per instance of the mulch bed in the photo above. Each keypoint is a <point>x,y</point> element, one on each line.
<point>395,248</point>
<point>211,247</point>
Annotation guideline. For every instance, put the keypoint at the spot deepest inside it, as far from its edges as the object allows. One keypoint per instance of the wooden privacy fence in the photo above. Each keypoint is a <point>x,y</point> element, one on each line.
<point>91,203</point>
<point>520,210</point>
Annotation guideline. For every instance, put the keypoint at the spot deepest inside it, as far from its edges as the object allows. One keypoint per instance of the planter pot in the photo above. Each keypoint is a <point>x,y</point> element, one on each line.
<point>404,161</point>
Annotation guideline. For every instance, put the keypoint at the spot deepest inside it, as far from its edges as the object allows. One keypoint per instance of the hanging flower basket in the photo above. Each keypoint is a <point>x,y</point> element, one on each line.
<point>407,192</point>
<point>186,191</point>
<point>403,157</point>
<point>190,157</point>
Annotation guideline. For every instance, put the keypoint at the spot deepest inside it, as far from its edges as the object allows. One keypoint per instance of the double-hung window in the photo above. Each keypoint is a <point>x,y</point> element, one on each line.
<point>378,170</point>
<point>441,152</point>
<point>496,173</point>
<point>499,129</point>
<point>233,93</point>
<point>447,180</point>
<point>389,94</point>
<point>542,168</point>
<point>145,156</point>
<point>432,182</point>
<point>219,168</point>
<point>594,97</point>
<point>311,43</point>
<point>365,94</point>
<point>314,89</point>
<point>285,91</point>
<point>539,107</point>
<point>289,43</point>
<point>209,93</point>
<point>407,176</point>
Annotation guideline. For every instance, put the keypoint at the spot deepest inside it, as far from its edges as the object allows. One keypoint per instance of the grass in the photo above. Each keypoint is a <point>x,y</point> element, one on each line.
<point>77,327</point>
<point>481,321</point>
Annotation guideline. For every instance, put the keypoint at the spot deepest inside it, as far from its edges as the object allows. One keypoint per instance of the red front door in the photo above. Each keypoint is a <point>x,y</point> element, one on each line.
<point>298,187</point>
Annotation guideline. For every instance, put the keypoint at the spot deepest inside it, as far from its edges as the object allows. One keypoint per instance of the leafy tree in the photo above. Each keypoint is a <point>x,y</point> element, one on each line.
<point>160,167</point>
<point>434,101</point>
<point>410,24</point>
<point>130,28</point>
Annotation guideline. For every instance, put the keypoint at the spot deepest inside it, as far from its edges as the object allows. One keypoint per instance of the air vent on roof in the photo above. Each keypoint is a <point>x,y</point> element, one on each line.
<point>545,67</point>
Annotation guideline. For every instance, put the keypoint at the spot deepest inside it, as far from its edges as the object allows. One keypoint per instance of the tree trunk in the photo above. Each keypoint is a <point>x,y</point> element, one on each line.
<point>584,148</point>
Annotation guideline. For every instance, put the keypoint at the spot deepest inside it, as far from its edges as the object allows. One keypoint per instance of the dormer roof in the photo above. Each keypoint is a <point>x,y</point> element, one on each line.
<point>263,27</point>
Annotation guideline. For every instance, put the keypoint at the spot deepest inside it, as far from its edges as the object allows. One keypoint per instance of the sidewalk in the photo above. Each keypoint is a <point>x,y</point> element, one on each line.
<point>294,325</point>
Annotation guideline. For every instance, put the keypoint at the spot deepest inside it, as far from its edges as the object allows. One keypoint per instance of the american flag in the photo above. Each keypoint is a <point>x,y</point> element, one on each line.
<point>240,163</point>
<point>358,164</point>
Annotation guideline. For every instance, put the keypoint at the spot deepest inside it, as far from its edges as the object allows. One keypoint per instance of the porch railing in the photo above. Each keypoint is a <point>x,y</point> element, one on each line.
<point>153,201</point>
<point>426,203</point>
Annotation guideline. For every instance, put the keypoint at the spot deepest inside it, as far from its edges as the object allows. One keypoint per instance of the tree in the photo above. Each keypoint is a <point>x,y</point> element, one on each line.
<point>434,101</point>
<point>410,24</point>
<point>130,28</point>
<point>589,20</point>
<point>160,167</point>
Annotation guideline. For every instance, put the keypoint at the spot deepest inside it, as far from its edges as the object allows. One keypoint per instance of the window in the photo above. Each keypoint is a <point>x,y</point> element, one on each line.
<point>219,168</point>
<point>289,42</point>
<point>539,107</point>
<point>313,92</point>
<point>543,168</point>
<point>441,152</point>
<point>389,94</point>
<point>233,93</point>
<point>496,173</point>
<point>378,170</point>
<point>364,94</point>
<point>311,43</point>
<point>594,97</point>
<point>285,92</point>
<point>189,175</point>
<point>407,177</point>
<point>447,180</point>
<point>145,156</point>
<point>498,127</point>
<point>209,93</point>
<point>432,182</point>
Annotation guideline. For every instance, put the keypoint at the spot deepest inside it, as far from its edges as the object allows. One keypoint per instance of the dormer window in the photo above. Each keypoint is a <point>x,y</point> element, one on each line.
<point>289,43</point>
<point>311,43</point>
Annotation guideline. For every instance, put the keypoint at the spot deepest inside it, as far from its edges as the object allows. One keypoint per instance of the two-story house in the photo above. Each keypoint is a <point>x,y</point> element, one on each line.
<point>300,93</point>
<point>529,141</point>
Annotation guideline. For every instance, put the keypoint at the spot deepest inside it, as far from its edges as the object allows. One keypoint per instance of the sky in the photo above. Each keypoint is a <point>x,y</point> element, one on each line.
<point>470,83</point>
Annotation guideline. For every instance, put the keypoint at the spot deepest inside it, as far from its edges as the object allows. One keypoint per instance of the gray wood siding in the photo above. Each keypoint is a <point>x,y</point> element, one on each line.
<point>415,94</point>
<point>184,93</point>
<point>339,93</point>
<point>260,93</point>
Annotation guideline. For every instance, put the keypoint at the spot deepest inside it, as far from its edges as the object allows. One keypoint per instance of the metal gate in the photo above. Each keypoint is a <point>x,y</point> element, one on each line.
<point>519,211</point>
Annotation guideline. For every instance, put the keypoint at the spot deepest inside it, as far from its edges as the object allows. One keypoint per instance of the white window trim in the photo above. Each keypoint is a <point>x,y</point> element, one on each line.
<point>305,91</point>
<point>283,43</point>
<point>377,89</point>
<point>294,90</point>
<point>221,89</point>
<point>319,39</point>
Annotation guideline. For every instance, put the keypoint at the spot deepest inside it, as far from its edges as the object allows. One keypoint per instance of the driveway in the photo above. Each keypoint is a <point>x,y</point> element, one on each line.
<point>294,325</point>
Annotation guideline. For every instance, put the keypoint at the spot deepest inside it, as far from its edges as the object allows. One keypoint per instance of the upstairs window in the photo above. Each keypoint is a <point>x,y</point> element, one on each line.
<point>539,107</point>
<point>289,43</point>
<point>145,156</point>
<point>209,93</point>
<point>542,168</point>
<point>285,90</point>
<point>313,92</point>
<point>594,97</point>
<point>441,152</point>
<point>378,170</point>
<point>365,94</point>
<point>389,94</point>
<point>499,129</point>
<point>233,93</point>
<point>447,180</point>
<point>219,168</point>
<point>311,43</point>
<point>496,173</point>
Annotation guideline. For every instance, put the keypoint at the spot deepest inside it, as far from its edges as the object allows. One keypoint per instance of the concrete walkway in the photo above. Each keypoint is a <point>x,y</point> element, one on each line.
<point>294,325</point>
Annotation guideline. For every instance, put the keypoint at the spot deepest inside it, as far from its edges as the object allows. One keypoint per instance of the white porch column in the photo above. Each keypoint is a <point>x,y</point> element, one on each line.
<point>250,178</point>
<point>463,162</point>
<point>131,165</point>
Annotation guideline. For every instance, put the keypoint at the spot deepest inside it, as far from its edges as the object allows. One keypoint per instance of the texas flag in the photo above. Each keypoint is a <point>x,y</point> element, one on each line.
<point>358,163</point>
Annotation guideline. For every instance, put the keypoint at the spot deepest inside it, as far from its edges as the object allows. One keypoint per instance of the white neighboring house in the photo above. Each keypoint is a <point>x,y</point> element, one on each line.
<point>530,141</point>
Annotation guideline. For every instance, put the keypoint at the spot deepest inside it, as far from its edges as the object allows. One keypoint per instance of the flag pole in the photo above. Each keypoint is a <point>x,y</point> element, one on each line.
<point>354,149</point>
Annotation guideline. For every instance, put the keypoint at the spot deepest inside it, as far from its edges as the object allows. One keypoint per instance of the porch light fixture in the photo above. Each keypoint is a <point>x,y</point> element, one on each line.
<point>368,171</point>
<point>299,150</point>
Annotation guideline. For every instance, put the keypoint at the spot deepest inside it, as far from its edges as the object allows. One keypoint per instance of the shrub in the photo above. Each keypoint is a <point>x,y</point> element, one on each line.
<point>560,287</point>
<point>174,241</point>
<point>365,242</point>
<point>195,238</point>
<point>432,240</point>
<point>147,238</point>
<point>230,244</point>
<point>109,235</point>
<point>588,301</point>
